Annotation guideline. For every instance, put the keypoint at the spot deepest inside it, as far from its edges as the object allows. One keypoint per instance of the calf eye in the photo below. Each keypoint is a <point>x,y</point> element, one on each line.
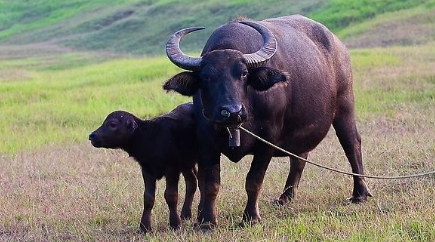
<point>112,125</point>
<point>244,74</point>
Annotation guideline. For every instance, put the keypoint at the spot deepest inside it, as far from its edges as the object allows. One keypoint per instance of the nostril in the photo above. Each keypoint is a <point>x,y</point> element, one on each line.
<point>232,113</point>
<point>91,136</point>
<point>230,110</point>
<point>225,113</point>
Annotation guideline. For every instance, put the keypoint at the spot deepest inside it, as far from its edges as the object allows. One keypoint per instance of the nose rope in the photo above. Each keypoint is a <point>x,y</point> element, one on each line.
<point>229,133</point>
<point>335,170</point>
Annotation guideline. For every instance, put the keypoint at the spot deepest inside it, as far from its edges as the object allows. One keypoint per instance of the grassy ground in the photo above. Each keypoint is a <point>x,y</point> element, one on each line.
<point>338,14</point>
<point>412,26</point>
<point>54,99</point>
<point>142,27</point>
<point>56,186</point>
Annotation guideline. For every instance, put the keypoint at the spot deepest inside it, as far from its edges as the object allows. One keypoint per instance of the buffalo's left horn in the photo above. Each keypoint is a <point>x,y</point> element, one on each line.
<point>177,56</point>
<point>268,49</point>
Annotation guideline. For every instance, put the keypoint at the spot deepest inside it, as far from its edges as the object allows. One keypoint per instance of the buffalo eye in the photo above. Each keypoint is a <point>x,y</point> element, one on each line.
<point>112,124</point>
<point>244,74</point>
<point>131,125</point>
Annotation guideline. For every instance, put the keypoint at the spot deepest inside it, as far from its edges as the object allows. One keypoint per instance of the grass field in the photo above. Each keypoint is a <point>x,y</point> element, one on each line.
<point>55,89</point>
<point>141,27</point>
<point>56,186</point>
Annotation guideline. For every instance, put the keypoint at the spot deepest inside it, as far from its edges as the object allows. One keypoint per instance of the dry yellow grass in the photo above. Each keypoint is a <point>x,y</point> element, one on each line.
<point>80,193</point>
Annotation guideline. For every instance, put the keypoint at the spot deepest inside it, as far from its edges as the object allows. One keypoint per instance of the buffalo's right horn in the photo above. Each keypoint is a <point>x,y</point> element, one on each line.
<point>268,49</point>
<point>177,56</point>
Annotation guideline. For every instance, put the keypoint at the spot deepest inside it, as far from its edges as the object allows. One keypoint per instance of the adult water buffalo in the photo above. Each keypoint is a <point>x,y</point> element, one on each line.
<point>286,79</point>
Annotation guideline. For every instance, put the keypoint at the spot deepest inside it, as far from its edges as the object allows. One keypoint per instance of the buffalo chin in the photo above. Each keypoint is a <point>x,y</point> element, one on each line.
<point>96,144</point>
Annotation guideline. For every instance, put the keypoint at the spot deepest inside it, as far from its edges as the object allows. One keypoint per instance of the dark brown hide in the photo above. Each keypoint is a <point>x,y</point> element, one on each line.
<point>164,147</point>
<point>291,101</point>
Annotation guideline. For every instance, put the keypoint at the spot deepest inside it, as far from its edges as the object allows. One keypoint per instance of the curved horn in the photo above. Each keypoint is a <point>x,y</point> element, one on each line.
<point>268,49</point>
<point>177,56</point>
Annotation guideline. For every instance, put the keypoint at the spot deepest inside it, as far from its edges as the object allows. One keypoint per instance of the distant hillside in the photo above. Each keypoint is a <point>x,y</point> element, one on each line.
<point>142,27</point>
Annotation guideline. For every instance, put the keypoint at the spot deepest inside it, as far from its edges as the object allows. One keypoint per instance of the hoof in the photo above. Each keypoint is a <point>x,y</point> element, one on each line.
<point>144,231</point>
<point>284,199</point>
<point>175,224</point>
<point>281,202</point>
<point>204,227</point>
<point>176,227</point>
<point>186,215</point>
<point>250,223</point>
<point>360,198</point>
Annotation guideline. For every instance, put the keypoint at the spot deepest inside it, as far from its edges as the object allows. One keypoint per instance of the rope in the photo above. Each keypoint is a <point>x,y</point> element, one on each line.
<point>335,170</point>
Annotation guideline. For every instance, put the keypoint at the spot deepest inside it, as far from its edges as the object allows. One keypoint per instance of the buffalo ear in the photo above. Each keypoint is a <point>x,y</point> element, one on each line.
<point>264,78</point>
<point>185,83</point>
<point>131,124</point>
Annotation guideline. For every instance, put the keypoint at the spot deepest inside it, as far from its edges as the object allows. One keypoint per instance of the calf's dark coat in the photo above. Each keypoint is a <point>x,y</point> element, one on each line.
<point>286,79</point>
<point>164,147</point>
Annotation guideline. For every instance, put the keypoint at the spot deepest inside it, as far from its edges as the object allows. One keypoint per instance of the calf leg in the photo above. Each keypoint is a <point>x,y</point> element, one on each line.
<point>149,197</point>
<point>294,176</point>
<point>171,197</point>
<point>254,181</point>
<point>350,140</point>
<point>191,184</point>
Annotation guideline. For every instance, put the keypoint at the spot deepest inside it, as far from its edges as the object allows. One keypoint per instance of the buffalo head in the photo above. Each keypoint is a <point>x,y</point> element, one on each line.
<point>223,75</point>
<point>115,132</point>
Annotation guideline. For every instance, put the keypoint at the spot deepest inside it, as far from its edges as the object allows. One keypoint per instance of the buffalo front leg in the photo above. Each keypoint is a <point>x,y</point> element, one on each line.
<point>254,181</point>
<point>191,185</point>
<point>291,185</point>
<point>171,197</point>
<point>350,140</point>
<point>209,183</point>
<point>148,197</point>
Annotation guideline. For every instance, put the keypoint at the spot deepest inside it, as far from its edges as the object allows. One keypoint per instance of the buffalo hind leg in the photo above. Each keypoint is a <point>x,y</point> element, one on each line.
<point>191,185</point>
<point>254,181</point>
<point>296,168</point>
<point>171,197</point>
<point>350,140</point>
<point>149,198</point>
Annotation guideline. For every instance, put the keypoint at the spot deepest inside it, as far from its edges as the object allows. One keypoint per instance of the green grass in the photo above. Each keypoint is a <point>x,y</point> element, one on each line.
<point>52,106</point>
<point>387,77</point>
<point>396,16</point>
<point>413,26</point>
<point>142,27</point>
<point>62,100</point>
<point>338,14</point>
<point>21,16</point>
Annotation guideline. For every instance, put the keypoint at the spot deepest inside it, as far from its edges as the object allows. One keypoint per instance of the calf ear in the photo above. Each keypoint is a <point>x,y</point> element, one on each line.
<point>131,124</point>
<point>264,78</point>
<point>185,83</point>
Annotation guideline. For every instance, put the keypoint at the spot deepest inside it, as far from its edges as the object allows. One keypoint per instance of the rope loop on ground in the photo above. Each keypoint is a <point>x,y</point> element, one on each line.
<point>335,170</point>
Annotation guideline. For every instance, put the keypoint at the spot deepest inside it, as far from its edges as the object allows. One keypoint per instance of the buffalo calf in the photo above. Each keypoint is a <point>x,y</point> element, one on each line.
<point>164,147</point>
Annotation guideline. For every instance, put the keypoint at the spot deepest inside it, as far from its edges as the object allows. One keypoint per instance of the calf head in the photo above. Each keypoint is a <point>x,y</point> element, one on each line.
<point>115,132</point>
<point>223,76</point>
